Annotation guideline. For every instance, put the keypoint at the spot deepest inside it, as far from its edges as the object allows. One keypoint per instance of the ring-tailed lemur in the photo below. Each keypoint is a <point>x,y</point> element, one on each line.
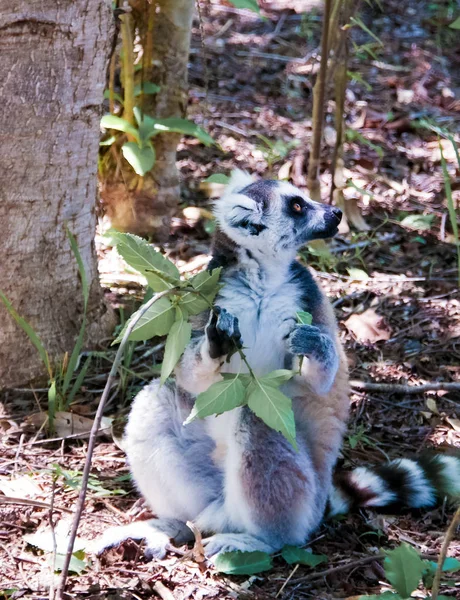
<point>233,476</point>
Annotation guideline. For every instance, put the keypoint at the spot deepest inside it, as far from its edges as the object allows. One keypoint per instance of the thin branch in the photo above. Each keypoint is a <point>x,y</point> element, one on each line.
<point>350,565</point>
<point>442,557</point>
<point>319,93</point>
<point>29,502</point>
<point>92,439</point>
<point>398,388</point>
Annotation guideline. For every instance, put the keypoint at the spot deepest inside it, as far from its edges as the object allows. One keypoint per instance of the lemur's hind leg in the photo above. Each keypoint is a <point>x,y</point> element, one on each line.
<point>171,465</point>
<point>271,491</point>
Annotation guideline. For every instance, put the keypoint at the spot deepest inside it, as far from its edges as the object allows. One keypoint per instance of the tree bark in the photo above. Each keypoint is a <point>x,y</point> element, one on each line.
<point>52,76</point>
<point>165,30</point>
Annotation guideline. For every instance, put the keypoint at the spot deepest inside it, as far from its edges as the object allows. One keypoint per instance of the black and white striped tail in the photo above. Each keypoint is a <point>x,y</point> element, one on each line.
<point>401,483</point>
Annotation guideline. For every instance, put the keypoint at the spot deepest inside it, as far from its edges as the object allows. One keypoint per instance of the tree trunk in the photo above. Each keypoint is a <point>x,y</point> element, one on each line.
<point>165,30</point>
<point>52,76</point>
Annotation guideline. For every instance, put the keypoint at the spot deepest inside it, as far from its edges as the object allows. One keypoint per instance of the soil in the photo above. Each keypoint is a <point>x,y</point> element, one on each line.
<point>398,278</point>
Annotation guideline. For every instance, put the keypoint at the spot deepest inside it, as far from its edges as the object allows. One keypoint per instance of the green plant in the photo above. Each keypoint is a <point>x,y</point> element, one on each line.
<point>450,205</point>
<point>405,570</point>
<point>73,479</point>
<point>273,152</point>
<point>60,392</point>
<point>169,315</point>
<point>139,151</point>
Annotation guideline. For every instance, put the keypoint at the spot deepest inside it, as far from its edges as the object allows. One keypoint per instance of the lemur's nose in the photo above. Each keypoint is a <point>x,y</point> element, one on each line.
<point>337,214</point>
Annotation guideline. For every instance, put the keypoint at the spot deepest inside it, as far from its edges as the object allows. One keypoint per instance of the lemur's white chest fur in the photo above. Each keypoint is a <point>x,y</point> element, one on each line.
<point>265,304</point>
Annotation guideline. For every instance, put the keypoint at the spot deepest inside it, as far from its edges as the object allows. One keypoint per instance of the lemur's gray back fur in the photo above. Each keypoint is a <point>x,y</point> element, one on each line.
<point>237,479</point>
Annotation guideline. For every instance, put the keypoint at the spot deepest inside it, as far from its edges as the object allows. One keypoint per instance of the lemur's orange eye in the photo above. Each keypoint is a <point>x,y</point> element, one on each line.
<point>296,206</point>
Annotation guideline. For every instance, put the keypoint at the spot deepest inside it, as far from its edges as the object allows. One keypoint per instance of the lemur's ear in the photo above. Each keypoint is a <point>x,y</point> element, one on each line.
<point>238,180</point>
<point>235,211</point>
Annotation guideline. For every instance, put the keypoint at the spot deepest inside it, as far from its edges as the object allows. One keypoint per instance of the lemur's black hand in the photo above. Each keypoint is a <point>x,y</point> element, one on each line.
<point>223,333</point>
<point>309,341</point>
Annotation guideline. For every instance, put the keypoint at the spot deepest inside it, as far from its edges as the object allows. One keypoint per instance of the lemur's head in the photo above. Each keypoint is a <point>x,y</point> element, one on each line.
<point>272,215</point>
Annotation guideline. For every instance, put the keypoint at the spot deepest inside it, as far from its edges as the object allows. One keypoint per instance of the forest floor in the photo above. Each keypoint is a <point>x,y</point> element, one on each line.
<point>394,286</point>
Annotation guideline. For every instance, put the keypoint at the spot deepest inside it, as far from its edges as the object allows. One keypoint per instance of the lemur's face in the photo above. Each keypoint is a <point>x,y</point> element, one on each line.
<point>272,215</point>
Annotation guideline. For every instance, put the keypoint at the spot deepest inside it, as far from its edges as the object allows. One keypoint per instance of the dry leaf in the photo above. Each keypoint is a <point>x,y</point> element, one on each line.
<point>431,405</point>
<point>454,423</point>
<point>67,423</point>
<point>43,538</point>
<point>285,170</point>
<point>22,487</point>
<point>368,326</point>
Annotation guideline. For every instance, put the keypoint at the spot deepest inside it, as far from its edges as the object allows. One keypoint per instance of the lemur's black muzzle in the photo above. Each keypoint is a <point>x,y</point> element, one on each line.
<point>331,219</point>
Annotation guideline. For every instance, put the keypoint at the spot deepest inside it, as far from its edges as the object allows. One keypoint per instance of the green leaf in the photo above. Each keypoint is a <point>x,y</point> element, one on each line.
<point>273,407</point>
<point>243,563</point>
<point>149,127</point>
<point>219,398</point>
<point>158,320</point>
<point>404,569</point>
<point>76,565</point>
<point>278,377</point>
<point>28,329</point>
<point>304,318</point>
<point>421,222</point>
<point>250,4</point>
<point>178,338</point>
<point>217,178</point>
<point>141,159</point>
<point>357,274</point>
<point>292,554</point>
<point>384,596</point>
<point>148,88</point>
<point>205,282</point>
<point>114,122</point>
<point>52,395</point>
<point>455,24</point>
<point>142,257</point>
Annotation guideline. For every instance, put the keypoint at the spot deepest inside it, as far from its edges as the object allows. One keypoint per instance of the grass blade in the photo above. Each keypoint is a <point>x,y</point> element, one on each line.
<point>28,329</point>
<point>78,382</point>
<point>450,206</point>
<point>80,339</point>
<point>81,266</point>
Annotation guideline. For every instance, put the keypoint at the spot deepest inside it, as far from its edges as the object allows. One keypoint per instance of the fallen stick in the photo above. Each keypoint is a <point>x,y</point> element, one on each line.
<point>398,388</point>
<point>92,439</point>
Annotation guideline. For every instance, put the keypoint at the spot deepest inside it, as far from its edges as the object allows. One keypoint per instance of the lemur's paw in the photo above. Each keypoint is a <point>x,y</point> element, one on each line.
<point>308,340</point>
<point>231,542</point>
<point>223,333</point>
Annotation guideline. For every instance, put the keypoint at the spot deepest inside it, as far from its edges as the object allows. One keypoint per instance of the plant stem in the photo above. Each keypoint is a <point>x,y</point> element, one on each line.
<point>442,556</point>
<point>128,67</point>
<point>318,108</point>
<point>93,435</point>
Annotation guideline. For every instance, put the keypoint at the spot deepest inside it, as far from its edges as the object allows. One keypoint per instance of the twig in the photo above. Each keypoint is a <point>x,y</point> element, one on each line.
<point>93,436</point>
<point>345,567</point>
<point>398,388</point>
<point>198,550</point>
<point>319,101</point>
<point>442,556</point>
<point>163,591</point>
<point>29,502</point>
<point>287,580</point>
<point>53,535</point>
